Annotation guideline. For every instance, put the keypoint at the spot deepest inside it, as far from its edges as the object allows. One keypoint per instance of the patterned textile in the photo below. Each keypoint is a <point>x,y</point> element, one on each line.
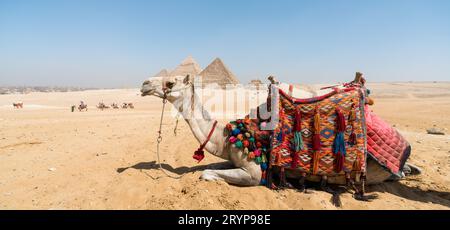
<point>385,144</point>
<point>321,147</point>
<point>327,135</point>
<point>247,135</point>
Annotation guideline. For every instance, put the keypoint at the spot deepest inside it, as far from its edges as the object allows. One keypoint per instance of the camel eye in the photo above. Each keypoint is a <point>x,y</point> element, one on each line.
<point>170,84</point>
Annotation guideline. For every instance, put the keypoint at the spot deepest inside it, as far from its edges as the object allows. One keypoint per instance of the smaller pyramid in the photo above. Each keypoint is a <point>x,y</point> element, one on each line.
<point>187,67</point>
<point>162,74</point>
<point>217,72</point>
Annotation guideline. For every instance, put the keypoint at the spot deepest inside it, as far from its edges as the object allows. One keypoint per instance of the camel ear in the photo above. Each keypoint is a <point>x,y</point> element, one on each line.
<point>186,80</point>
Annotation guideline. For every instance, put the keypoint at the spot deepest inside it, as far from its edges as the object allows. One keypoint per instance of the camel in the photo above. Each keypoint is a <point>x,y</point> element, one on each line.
<point>82,107</point>
<point>102,106</point>
<point>124,106</point>
<point>18,105</point>
<point>238,170</point>
<point>114,105</point>
<point>130,105</point>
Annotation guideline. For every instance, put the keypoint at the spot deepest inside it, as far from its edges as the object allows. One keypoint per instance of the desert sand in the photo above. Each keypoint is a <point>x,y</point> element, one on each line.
<point>52,158</point>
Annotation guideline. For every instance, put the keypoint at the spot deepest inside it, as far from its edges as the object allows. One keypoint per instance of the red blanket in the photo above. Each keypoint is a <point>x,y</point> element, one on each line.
<point>385,144</point>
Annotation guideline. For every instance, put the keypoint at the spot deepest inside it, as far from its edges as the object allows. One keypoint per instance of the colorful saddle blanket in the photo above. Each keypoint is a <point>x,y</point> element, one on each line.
<point>328,135</point>
<point>321,137</point>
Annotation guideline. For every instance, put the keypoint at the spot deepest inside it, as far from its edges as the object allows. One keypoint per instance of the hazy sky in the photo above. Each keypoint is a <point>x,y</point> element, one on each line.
<point>120,43</point>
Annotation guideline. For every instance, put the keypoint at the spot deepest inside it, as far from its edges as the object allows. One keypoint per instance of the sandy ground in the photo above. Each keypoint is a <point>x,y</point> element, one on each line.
<point>51,158</point>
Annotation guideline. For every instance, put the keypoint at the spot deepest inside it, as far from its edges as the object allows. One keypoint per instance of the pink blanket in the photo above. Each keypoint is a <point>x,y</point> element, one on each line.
<point>385,144</point>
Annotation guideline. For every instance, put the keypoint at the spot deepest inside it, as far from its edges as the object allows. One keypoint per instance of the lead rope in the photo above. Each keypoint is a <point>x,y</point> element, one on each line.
<point>159,139</point>
<point>176,124</point>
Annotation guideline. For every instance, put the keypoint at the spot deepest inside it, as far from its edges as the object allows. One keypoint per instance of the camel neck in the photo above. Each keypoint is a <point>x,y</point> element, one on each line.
<point>201,123</point>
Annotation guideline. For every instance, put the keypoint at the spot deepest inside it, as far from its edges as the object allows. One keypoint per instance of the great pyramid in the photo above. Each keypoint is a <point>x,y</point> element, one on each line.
<point>188,66</point>
<point>217,72</point>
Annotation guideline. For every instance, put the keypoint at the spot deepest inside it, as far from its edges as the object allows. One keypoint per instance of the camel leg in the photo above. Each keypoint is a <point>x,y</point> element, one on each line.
<point>236,176</point>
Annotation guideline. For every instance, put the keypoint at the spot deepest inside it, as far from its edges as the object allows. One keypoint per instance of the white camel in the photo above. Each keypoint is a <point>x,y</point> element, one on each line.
<point>239,170</point>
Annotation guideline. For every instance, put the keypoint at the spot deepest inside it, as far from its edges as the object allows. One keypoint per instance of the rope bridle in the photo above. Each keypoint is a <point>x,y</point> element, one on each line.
<point>199,154</point>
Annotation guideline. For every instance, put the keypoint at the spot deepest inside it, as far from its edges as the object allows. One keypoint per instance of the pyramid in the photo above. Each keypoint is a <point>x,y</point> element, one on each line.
<point>217,72</point>
<point>188,66</point>
<point>162,74</point>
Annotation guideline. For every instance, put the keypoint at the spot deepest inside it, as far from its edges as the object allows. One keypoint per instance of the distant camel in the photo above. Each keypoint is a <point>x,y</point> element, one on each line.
<point>127,105</point>
<point>102,106</point>
<point>18,105</point>
<point>114,106</point>
<point>82,107</point>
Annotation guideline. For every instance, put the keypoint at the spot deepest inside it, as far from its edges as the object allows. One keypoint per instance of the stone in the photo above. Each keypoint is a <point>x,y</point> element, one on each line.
<point>435,131</point>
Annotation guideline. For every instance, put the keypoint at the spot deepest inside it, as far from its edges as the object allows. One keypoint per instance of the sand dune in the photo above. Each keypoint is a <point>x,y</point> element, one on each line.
<point>52,158</point>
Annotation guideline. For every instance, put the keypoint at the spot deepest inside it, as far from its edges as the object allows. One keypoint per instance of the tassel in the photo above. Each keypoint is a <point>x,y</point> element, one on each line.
<point>316,158</point>
<point>316,137</point>
<point>352,139</point>
<point>339,142</point>
<point>263,178</point>
<point>280,137</point>
<point>316,142</point>
<point>298,140</point>
<point>340,120</point>
<point>199,155</point>
<point>295,159</point>
<point>340,163</point>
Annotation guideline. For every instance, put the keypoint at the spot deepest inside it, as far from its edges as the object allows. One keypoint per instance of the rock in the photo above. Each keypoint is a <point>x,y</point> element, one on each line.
<point>52,169</point>
<point>435,131</point>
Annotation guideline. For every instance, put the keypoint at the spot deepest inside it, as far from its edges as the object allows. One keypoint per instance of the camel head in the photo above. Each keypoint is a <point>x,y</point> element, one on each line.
<point>173,88</point>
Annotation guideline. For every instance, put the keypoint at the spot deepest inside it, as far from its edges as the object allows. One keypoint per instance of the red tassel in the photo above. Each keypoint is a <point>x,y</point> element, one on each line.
<point>295,159</point>
<point>199,155</point>
<point>340,120</point>
<point>340,158</point>
<point>352,139</point>
<point>298,121</point>
<point>316,142</point>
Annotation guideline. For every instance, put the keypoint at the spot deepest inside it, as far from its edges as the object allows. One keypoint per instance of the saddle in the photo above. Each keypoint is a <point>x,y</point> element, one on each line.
<point>324,135</point>
<point>331,134</point>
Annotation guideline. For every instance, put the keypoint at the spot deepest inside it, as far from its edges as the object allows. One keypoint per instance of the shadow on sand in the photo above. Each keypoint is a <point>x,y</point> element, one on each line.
<point>180,170</point>
<point>394,187</point>
<point>412,193</point>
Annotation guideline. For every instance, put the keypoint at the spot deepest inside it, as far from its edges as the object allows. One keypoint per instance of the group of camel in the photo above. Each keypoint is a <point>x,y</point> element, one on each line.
<point>83,107</point>
<point>103,106</point>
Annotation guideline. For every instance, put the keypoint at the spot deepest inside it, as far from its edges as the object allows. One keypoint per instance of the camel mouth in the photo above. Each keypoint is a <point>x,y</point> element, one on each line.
<point>147,90</point>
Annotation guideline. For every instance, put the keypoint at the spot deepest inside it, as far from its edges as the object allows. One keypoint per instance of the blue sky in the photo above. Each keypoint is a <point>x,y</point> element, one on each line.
<point>95,43</point>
